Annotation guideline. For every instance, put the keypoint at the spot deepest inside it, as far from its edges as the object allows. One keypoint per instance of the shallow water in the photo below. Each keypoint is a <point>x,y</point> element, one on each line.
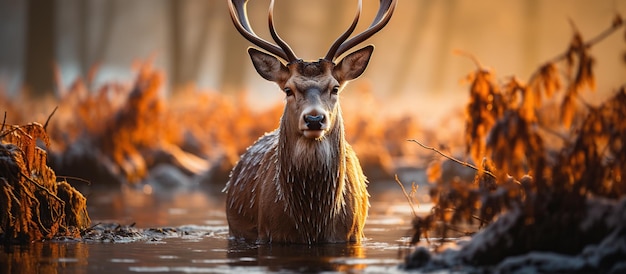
<point>193,238</point>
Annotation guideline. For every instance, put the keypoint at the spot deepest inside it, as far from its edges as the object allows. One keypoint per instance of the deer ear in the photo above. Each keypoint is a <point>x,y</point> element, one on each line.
<point>353,65</point>
<point>268,66</point>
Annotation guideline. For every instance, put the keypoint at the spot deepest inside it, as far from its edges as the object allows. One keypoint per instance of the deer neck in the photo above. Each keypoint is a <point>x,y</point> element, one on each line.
<point>311,172</point>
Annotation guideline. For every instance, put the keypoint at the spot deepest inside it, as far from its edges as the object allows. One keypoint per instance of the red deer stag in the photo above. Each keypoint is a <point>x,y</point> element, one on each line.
<point>302,183</point>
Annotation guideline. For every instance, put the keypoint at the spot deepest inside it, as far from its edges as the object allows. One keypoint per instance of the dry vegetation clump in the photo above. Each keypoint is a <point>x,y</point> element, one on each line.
<point>33,205</point>
<point>545,205</point>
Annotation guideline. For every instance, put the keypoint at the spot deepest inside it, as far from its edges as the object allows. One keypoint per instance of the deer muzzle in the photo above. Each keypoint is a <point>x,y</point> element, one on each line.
<point>314,122</point>
<point>314,125</point>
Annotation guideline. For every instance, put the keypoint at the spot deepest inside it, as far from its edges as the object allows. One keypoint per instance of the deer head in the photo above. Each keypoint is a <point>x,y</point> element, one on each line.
<point>311,87</point>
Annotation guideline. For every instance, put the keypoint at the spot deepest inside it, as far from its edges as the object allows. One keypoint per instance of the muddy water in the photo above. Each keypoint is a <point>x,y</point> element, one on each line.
<point>192,237</point>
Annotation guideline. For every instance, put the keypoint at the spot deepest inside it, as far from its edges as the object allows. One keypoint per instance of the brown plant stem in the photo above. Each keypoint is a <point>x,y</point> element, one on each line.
<point>453,159</point>
<point>406,195</point>
<point>45,126</point>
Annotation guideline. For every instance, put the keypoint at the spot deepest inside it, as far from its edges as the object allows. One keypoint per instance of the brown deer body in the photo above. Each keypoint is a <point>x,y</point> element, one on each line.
<point>302,183</point>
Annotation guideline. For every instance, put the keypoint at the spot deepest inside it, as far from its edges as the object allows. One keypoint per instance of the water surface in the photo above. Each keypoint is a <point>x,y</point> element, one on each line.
<point>185,231</point>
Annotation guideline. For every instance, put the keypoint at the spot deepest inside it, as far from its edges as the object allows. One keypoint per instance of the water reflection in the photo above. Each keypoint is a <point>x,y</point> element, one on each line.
<point>170,207</point>
<point>298,258</point>
<point>207,254</point>
<point>43,257</point>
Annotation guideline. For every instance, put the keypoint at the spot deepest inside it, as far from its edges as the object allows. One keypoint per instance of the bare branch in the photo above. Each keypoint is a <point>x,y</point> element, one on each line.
<point>45,126</point>
<point>75,179</point>
<point>454,159</point>
<point>3,121</point>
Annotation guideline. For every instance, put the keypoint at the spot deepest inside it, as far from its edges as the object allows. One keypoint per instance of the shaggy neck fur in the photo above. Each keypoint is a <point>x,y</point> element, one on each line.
<point>311,175</point>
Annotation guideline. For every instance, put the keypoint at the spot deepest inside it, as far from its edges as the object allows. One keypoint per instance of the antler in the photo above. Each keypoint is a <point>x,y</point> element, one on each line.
<point>240,19</point>
<point>382,18</point>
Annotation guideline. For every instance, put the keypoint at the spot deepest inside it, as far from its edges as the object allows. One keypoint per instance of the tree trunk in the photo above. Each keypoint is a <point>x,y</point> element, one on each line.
<point>235,59</point>
<point>176,44</point>
<point>40,47</point>
<point>186,45</point>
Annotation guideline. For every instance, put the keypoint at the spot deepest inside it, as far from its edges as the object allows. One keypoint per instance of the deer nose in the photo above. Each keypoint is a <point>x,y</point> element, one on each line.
<point>314,122</point>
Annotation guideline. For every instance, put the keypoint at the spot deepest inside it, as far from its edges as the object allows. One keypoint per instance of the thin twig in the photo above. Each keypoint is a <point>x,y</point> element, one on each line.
<point>617,23</point>
<point>3,122</point>
<point>42,188</point>
<point>459,230</point>
<point>16,128</point>
<point>408,198</point>
<point>11,191</point>
<point>470,56</point>
<point>75,178</point>
<point>480,220</point>
<point>49,116</point>
<point>454,159</point>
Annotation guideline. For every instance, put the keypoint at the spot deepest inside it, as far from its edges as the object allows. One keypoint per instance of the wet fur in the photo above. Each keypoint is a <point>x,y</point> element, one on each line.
<point>315,190</point>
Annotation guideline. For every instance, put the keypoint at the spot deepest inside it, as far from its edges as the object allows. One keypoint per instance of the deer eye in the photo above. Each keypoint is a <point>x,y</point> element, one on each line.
<point>335,90</point>
<point>288,91</point>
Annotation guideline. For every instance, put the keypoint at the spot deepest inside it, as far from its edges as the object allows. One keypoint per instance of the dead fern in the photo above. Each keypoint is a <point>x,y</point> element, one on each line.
<point>485,106</point>
<point>540,191</point>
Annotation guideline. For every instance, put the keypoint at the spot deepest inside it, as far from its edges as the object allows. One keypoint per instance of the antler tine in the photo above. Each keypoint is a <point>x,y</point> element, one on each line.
<point>382,18</point>
<point>240,19</point>
<point>333,49</point>
<point>291,56</point>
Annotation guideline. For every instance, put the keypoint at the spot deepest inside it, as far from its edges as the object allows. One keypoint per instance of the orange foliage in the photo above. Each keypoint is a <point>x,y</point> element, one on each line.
<point>33,204</point>
<point>506,129</point>
<point>136,129</point>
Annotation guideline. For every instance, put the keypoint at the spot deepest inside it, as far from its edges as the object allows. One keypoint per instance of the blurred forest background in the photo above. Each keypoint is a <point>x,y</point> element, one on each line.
<point>194,43</point>
<point>150,88</point>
